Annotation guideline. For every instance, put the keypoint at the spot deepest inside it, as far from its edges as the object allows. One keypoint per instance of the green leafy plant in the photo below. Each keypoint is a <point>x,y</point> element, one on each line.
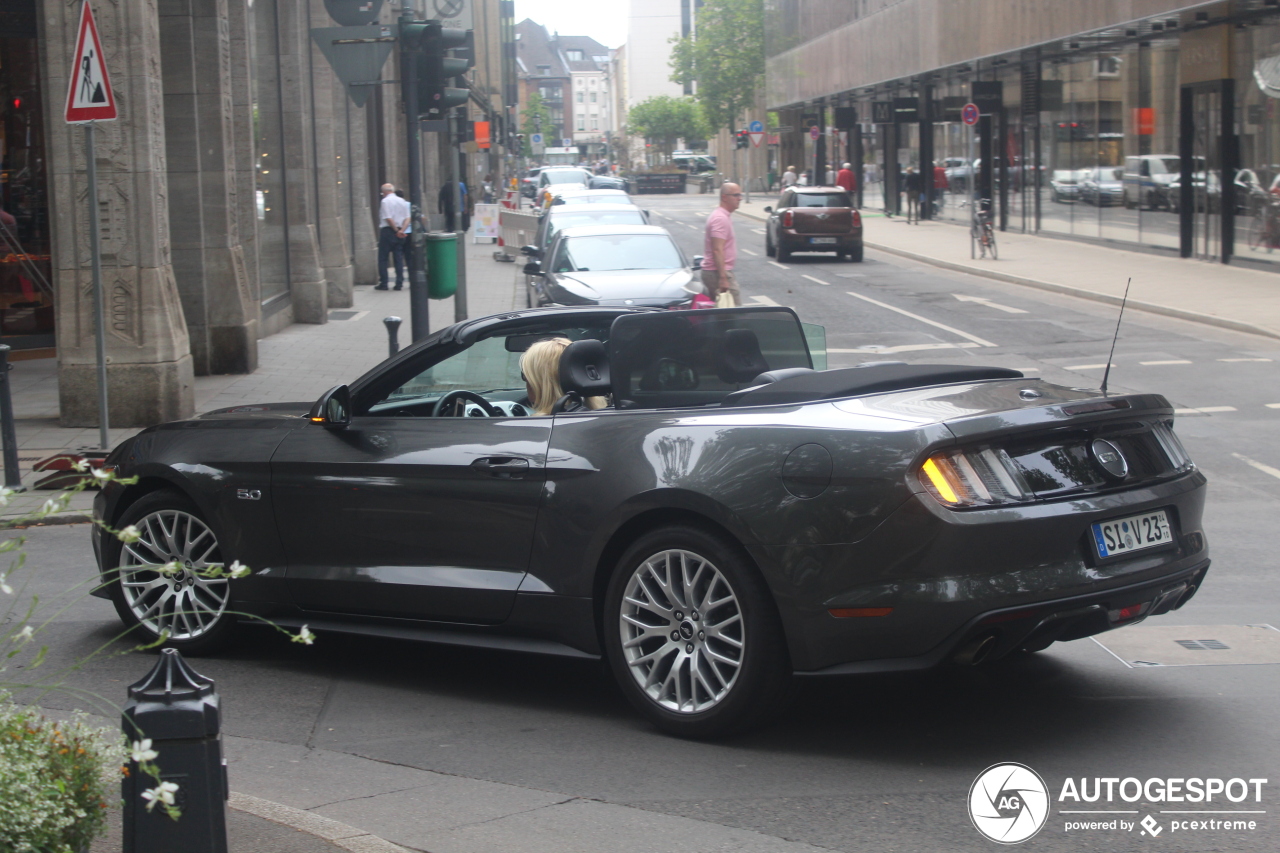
<point>663,120</point>
<point>724,57</point>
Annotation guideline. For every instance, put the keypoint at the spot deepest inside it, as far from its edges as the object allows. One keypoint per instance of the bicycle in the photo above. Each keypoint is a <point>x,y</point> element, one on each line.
<point>982,233</point>
<point>1264,228</point>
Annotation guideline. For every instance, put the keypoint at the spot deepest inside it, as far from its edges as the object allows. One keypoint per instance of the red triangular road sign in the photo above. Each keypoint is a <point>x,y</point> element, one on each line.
<point>756,137</point>
<point>89,97</point>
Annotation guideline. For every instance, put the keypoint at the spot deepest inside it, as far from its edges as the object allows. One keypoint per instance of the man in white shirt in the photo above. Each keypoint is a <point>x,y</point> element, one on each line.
<point>393,216</point>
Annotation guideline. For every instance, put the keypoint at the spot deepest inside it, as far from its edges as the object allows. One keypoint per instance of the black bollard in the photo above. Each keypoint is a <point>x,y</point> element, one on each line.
<point>178,710</point>
<point>8,434</point>
<point>393,331</point>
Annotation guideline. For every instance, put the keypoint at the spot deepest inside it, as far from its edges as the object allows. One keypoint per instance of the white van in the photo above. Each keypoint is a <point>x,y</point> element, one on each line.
<point>1147,178</point>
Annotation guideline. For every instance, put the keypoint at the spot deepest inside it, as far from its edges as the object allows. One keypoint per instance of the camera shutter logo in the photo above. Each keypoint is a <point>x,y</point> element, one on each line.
<point>1008,803</point>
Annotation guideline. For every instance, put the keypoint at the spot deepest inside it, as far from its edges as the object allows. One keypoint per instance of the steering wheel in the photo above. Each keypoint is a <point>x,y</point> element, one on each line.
<point>450,399</point>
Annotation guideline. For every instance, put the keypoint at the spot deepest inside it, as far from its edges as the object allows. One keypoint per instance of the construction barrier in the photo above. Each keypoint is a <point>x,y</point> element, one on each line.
<point>517,229</point>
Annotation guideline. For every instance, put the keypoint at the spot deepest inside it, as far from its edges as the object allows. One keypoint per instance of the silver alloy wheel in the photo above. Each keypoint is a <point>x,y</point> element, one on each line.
<point>682,630</point>
<point>179,600</point>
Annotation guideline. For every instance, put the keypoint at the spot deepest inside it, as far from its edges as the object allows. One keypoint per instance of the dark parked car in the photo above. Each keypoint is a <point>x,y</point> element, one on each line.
<point>732,517</point>
<point>814,219</point>
<point>608,182</point>
<point>1102,185</point>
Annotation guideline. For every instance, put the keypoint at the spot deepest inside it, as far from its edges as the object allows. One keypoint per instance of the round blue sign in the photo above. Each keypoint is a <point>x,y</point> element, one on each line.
<point>969,114</point>
<point>756,127</point>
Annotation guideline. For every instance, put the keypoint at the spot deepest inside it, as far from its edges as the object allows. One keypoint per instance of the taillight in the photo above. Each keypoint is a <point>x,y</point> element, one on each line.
<point>975,477</point>
<point>786,219</point>
<point>857,219</point>
<point>1172,447</point>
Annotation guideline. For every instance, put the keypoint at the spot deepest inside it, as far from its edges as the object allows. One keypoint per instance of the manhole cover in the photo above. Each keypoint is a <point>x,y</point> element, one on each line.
<point>1185,645</point>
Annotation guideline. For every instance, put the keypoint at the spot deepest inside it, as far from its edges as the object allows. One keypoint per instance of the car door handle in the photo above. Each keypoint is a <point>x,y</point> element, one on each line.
<point>501,464</point>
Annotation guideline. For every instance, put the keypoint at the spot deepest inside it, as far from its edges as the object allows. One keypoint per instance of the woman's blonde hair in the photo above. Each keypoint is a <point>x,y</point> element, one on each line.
<point>540,366</point>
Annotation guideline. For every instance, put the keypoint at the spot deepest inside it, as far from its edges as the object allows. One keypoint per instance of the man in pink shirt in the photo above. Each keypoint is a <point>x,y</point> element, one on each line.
<point>720,250</point>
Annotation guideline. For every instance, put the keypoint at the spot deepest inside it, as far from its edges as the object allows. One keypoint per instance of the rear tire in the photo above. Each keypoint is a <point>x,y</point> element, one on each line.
<point>783,254</point>
<point>856,254</point>
<point>769,248</point>
<point>193,609</point>
<point>693,636</point>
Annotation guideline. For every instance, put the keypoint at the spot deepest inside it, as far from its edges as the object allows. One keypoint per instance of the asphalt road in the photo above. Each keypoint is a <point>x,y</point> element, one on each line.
<point>872,763</point>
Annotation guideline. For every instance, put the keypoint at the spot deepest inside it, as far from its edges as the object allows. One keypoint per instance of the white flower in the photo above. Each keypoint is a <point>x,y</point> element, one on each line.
<point>51,505</point>
<point>101,475</point>
<point>129,535</point>
<point>5,494</point>
<point>304,635</point>
<point>25,635</point>
<point>142,751</point>
<point>81,465</point>
<point>172,567</point>
<point>4,587</point>
<point>162,793</point>
<point>238,570</point>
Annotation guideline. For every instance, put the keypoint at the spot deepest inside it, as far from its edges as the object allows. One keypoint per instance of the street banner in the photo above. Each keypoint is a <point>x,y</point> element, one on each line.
<point>89,96</point>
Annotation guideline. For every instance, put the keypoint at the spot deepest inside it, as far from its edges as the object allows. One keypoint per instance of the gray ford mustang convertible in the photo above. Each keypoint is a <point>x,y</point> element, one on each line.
<point>733,517</point>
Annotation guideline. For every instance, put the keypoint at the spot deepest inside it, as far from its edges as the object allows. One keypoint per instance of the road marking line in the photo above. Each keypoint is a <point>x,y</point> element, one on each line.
<point>1204,410</point>
<point>1170,361</point>
<point>982,300</point>
<point>815,280</point>
<point>977,340</point>
<point>1087,367</point>
<point>757,231</point>
<point>908,348</point>
<point>1027,369</point>
<point>690,227</point>
<point>700,213</point>
<point>851,275</point>
<point>1266,469</point>
<point>751,253</point>
<point>779,266</point>
<point>1243,359</point>
<point>1273,405</point>
<point>764,300</point>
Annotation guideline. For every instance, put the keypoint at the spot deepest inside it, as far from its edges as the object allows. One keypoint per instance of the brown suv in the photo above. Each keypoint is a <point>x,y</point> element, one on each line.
<point>814,219</point>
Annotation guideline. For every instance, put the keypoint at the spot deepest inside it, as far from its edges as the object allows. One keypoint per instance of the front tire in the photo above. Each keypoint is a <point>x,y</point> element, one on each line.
<point>192,609</point>
<point>693,636</point>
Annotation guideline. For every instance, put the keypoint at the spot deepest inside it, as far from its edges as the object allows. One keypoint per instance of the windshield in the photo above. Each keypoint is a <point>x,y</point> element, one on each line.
<point>566,176</point>
<point>823,200</point>
<point>617,252</point>
<point>608,217</point>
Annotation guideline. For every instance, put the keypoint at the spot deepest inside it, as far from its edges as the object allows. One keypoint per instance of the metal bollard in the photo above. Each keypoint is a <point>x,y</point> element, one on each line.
<point>393,331</point>
<point>8,434</point>
<point>178,709</point>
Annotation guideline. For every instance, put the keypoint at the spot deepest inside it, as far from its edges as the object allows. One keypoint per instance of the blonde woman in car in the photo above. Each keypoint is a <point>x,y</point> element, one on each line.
<point>540,369</point>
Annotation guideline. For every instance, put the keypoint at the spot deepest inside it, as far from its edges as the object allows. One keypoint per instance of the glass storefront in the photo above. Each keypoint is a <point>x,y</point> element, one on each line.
<point>26,295</point>
<point>1092,135</point>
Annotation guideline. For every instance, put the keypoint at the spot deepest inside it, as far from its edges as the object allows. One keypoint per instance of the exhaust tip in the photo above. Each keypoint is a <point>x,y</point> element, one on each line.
<point>976,651</point>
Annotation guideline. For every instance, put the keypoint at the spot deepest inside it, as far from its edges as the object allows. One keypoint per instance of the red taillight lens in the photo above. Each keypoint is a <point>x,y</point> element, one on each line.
<point>786,219</point>
<point>857,219</point>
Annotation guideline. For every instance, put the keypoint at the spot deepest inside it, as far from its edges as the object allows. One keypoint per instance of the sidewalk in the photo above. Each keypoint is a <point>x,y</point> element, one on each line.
<point>1231,297</point>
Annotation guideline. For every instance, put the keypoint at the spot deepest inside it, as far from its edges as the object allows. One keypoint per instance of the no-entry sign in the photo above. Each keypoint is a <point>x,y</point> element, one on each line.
<point>89,97</point>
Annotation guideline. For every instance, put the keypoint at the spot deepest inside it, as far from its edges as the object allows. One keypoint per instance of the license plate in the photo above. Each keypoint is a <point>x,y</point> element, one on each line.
<point>1135,533</point>
<point>822,239</point>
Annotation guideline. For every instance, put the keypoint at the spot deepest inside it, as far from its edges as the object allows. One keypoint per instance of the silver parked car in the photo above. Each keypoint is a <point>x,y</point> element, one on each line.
<point>636,265</point>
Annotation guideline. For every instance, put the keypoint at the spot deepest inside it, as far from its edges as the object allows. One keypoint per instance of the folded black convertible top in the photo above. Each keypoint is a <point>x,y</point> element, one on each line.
<point>854,381</point>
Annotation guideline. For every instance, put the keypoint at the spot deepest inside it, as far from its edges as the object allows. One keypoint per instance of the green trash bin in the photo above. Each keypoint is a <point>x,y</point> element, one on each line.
<point>442,264</point>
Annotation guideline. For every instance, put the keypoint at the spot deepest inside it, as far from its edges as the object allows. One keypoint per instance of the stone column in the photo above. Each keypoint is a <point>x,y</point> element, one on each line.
<point>351,135</point>
<point>150,369</point>
<point>335,254</point>
<point>208,259</point>
<point>244,155</point>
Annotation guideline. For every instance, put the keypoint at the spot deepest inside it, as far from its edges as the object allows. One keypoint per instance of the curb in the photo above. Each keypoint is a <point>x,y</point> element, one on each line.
<point>335,832</point>
<point>18,524</point>
<point>1068,290</point>
<point>1080,292</point>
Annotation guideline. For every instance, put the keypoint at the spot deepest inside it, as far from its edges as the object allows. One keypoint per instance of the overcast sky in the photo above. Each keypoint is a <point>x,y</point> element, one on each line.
<point>603,20</point>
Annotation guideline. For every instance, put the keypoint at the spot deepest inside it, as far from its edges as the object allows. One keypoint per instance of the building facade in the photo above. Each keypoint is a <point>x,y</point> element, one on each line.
<point>1148,124</point>
<point>237,189</point>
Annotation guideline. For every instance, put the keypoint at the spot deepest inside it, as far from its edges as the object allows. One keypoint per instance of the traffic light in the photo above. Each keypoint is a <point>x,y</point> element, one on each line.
<point>429,44</point>
<point>742,140</point>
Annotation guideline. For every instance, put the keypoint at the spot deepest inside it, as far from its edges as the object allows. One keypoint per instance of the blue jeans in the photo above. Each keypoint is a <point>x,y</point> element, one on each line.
<point>390,244</point>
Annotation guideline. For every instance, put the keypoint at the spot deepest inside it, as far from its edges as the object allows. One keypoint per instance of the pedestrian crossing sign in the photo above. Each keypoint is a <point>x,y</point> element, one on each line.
<point>89,96</point>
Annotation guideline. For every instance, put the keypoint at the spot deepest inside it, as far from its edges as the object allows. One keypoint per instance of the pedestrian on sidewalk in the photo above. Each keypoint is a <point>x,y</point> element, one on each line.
<point>720,249</point>
<point>940,187</point>
<point>789,177</point>
<point>393,216</point>
<point>914,189</point>
<point>445,205</point>
<point>845,179</point>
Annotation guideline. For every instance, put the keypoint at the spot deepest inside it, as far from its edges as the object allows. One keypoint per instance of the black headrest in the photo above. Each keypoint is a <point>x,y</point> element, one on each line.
<point>584,367</point>
<point>740,359</point>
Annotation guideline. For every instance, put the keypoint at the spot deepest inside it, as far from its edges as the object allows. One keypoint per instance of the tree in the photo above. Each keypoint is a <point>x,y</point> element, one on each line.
<point>663,119</point>
<point>537,119</point>
<point>724,57</point>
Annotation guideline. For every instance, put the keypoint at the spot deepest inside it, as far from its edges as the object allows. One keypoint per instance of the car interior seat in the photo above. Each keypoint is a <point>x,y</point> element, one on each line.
<point>740,359</point>
<point>584,372</point>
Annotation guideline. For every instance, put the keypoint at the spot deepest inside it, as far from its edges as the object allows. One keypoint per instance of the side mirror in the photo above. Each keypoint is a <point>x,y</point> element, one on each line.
<point>333,409</point>
<point>768,208</point>
<point>531,251</point>
<point>533,269</point>
<point>697,262</point>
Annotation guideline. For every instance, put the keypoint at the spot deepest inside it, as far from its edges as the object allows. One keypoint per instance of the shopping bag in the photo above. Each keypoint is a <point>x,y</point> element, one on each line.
<point>724,299</point>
